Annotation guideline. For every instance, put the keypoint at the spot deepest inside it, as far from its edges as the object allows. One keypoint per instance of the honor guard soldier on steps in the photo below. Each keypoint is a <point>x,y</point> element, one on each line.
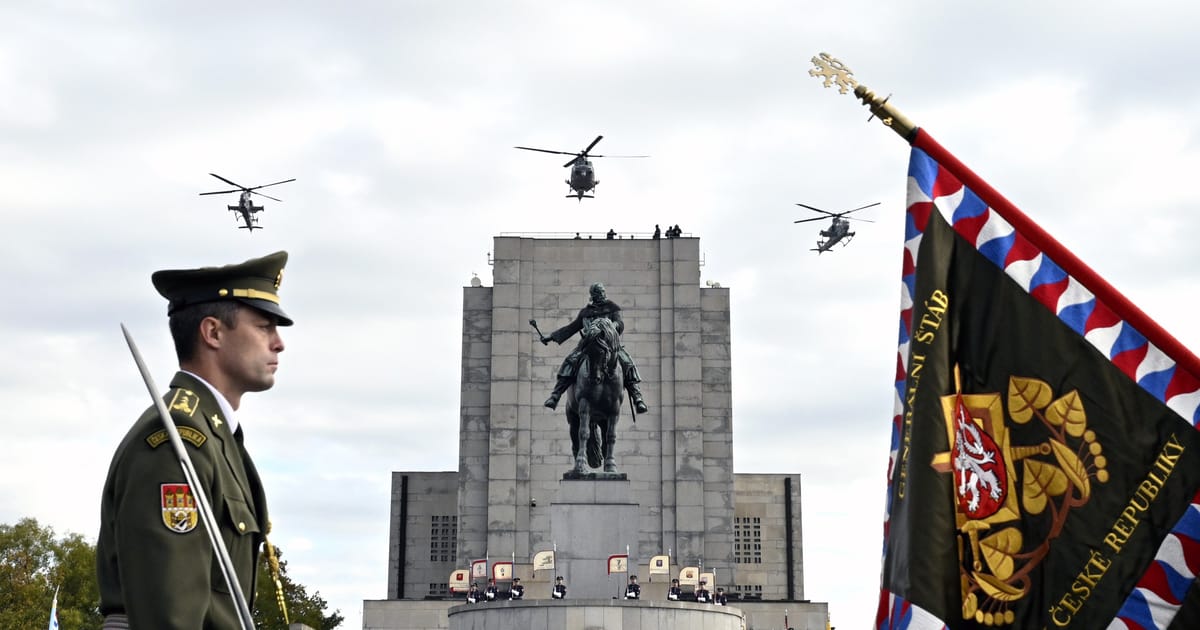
<point>154,563</point>
<point>599,306</point>
<point>560,589</point>
<point>633,590</point>
<point>516,591</point>
<point>674,592</point>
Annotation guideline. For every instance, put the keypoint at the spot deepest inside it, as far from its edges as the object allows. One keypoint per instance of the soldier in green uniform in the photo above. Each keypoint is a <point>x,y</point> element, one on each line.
<point>155,565</point>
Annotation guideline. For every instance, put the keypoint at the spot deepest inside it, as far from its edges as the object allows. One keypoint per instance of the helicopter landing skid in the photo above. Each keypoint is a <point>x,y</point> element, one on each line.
<point>581,196</point>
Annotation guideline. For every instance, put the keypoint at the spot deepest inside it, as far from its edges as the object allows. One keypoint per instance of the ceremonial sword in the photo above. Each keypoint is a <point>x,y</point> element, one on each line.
<point>205,508</point>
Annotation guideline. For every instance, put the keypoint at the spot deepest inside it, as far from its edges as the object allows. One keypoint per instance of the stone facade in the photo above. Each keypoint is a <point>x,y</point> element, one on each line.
<point>423,537</point>
<point>766,519</point>
<point>678,457</point>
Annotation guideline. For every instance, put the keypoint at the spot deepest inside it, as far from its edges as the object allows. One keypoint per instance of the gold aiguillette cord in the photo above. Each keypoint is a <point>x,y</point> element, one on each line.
<point>273,561</point>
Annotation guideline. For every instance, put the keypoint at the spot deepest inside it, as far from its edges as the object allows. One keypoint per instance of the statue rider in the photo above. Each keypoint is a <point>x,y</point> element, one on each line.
<point>600,306</point>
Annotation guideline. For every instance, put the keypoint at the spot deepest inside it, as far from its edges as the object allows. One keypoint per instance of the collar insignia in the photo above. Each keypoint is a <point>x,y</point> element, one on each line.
<point>185,401</point>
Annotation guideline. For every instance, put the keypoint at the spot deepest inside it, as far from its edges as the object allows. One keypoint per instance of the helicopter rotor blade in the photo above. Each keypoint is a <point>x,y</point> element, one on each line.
<point>589,147</point>
<point>548,151</point>
<point>222,192</point>
<point>254,188</point>
<point>267,196</point>
<point>817,210</point>
<point>870,205</point>
<point>858,219</point>
<point>812,219</point>
<point>239,186</point>
<point>579,156</point>
<point>621,156</point>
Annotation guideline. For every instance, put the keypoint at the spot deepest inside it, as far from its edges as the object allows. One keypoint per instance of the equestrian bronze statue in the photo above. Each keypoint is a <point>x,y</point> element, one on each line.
<point>599,307</point>
<point>595,376</point>
<point>594,400</point>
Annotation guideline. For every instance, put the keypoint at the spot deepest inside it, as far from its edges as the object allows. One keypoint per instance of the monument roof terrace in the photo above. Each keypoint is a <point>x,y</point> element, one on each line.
<point>589,235</point>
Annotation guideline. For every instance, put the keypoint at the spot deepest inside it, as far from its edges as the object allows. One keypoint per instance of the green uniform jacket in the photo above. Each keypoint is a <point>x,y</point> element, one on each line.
<point>153,559</point>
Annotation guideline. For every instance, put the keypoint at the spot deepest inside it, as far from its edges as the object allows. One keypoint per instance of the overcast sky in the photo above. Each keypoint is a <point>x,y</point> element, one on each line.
<point>398,120</point>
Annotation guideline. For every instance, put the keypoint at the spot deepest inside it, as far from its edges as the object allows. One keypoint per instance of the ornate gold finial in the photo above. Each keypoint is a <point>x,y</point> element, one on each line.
<point>833,71</point>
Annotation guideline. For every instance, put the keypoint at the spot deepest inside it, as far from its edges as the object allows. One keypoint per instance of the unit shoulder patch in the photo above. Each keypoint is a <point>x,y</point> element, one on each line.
<point>179,512</point>
<point>188,434</point>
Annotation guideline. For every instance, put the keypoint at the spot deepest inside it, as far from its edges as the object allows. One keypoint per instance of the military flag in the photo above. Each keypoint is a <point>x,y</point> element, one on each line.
<point>1045,458</point>
<point>54,611</point>
<point>689,576</point>
<point>659,565</point>
<point>502,571</point>
<point>543,560</point>
<point>618,563</point>
<point>459,580</point>
<point>479,569</point>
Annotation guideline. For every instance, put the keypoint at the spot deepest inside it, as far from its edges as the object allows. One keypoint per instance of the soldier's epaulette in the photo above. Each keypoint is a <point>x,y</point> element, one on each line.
<point>187,434</point>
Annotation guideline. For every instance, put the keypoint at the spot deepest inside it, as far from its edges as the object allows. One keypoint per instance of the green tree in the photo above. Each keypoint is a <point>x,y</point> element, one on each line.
<point>33,562</point>
<point>301,607</point>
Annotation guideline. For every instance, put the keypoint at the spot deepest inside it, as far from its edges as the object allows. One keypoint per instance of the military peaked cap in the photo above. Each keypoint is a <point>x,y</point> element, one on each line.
<point>254,282</point>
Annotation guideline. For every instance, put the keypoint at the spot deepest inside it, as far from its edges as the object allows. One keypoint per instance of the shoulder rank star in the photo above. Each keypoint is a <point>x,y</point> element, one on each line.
<point>216,420</point>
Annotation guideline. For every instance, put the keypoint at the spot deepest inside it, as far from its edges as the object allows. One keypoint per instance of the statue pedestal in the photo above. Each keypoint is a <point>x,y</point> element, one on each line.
<point>591,520</point>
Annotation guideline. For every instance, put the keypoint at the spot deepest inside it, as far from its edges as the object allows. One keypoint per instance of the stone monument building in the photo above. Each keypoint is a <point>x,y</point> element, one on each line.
<point>508,499</point>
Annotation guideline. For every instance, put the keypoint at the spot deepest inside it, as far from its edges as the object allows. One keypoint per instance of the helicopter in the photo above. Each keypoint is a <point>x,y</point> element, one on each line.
<point>583,176</point>
<point>839,230</point>
<point>246,206</point>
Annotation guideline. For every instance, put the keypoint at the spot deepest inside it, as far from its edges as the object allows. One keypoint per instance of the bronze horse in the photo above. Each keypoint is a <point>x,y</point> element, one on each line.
<point>594,401</point>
